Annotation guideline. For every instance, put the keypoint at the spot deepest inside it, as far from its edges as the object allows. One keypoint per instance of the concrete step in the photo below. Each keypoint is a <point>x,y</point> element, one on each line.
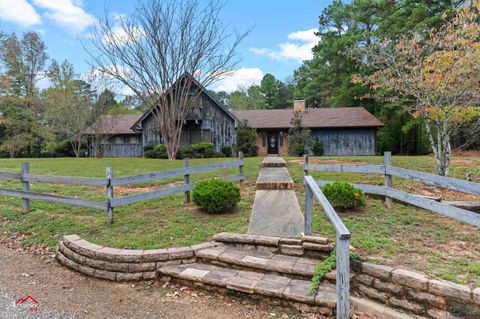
<point>253,283</point>
<point>273,162</point>
<point>260,261</point>
<point>274,178</point>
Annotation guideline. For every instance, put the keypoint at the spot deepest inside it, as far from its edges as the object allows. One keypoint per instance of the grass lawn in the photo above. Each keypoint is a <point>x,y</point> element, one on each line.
<point>406,236</point>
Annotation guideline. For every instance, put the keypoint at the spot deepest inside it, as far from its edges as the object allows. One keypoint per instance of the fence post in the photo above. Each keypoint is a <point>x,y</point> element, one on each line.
<point>308,209</point>
<point>343,277</point>
<point>240,168</point>
<point>109,175</point>
<point>186,179</point>
<point>305,171</point>
<point>25,187</point>
<point>387,161</point>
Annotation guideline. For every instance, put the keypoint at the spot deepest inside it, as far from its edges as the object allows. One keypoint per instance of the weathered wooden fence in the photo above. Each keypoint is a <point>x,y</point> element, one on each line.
<point>109,183</point>
<point>390,193</point>
<point>342,241</point>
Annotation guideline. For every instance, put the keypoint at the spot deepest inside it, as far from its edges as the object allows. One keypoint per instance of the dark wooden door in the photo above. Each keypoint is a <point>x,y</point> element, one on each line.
<point>272,143</point>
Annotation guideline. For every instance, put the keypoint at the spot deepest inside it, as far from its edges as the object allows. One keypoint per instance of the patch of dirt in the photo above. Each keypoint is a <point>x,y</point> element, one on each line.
<point>466,154</point>
<point>327,161</point>
<point>443,193</point>
<point>62,290</point>
<point>132,189</point>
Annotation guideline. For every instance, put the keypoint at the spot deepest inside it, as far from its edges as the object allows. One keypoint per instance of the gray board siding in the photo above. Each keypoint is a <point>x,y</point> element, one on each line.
<point>346,141</point>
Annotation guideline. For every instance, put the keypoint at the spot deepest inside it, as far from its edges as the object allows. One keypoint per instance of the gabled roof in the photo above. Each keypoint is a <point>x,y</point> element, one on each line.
<point>312,118</point>
<point>202,89</point>
<point>115,124</point>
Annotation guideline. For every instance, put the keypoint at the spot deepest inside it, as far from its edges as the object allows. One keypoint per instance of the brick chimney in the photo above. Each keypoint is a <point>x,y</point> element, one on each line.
<point>299,105</point>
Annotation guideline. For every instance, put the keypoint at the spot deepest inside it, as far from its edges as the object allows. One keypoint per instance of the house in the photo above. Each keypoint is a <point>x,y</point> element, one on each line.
<point>113,136</point>
<point>342,131</point>
<point>208,120</point>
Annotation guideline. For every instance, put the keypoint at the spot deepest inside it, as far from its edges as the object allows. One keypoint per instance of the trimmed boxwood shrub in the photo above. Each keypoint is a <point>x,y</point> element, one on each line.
<point>161,151</point>
<point>198,150</point>
<point>216,195</point>
<point>150,154</point>
<point>343,195</point>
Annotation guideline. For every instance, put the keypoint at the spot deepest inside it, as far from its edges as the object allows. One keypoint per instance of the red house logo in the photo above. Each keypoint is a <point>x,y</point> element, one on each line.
<point>28,300</point>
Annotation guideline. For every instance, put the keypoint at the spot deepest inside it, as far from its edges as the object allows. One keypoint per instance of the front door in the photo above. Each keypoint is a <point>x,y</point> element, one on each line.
<point>272,143</point>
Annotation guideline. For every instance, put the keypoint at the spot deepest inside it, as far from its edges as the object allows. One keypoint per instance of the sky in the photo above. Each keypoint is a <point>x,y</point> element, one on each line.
<point>282,31</point>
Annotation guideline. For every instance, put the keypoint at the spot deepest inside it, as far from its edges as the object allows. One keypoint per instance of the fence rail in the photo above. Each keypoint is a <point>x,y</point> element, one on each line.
<point>391,193</point>
<point>109,183</point>
<point>342,240</point>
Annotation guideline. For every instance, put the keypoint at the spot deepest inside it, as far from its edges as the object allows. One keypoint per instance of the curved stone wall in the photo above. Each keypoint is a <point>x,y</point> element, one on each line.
<point>121,264</point>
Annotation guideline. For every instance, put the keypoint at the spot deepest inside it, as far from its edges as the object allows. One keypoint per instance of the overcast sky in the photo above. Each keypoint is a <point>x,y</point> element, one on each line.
<point>281,38</point>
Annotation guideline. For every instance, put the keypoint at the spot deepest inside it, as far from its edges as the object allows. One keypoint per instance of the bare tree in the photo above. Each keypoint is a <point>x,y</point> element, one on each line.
<point>161,50</point>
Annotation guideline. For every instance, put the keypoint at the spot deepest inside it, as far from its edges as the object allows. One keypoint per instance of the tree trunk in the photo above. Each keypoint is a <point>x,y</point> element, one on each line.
<point>440,146</point>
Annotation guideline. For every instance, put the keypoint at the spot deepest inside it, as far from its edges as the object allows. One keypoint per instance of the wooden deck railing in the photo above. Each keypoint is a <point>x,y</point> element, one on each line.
<point>389,192</point>
<point>109,183</point>
<point>342,242</point>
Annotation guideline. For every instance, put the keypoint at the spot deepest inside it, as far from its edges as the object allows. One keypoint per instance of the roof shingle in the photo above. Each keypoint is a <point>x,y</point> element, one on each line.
<point>312,118</point>
<point>116,124</point>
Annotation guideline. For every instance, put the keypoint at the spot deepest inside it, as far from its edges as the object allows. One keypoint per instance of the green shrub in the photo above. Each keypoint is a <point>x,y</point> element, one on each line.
<point>204,148</point>
<point>198,150</point>
<point>161,151</point>
<point>188,151</point>
<point>227,151</point>
<point>343,195</point>
<point>148,148</point>
<point>216,195</point>
<point>246,140</point>
<point>150,154</point>
<point>317,148</point>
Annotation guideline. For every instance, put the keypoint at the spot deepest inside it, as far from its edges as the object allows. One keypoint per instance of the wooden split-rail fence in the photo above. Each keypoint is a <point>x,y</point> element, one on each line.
<point>313,191</point>
<point>110,182</point>
<point>390,193</point>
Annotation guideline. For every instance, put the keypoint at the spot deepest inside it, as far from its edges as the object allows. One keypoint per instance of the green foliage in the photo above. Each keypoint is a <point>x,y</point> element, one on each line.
<point>344,26</point>
<point>246,140</point>
<point>161,151</point>
<point>343,195</point>
<point>227,151</point>
<point>199,150</point>
<point>321,270</point>
<point>216,195</point>
<point>317,148</point>
<point>150,154</point>
<point>299,140</point>
<point>270,89</point>
<point>158,151</point>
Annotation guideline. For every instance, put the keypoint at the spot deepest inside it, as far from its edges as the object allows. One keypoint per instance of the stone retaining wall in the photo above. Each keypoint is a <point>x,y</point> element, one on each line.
<point>398,288</point>
<point>121,264</point>
<point>306,246</point>
<point>415,293</point>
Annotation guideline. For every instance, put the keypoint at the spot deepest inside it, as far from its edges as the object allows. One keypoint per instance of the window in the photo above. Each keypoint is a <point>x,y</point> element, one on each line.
<point>133,140</point>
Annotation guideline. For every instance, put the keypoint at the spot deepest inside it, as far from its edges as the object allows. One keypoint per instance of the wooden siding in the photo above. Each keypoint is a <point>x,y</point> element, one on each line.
<point>122,150</point>
<point>347,141</point>
<point>205,121</point>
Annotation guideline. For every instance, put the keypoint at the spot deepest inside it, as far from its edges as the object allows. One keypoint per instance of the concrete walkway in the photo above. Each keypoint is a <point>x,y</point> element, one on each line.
<point>276,211</point>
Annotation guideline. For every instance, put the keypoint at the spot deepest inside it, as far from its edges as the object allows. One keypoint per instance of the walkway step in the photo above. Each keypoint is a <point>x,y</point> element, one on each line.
<point>276,213</point>
<point>274,178</point>
<point>261,261</point>
<point>273,162</point>
<point>251,282</point>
